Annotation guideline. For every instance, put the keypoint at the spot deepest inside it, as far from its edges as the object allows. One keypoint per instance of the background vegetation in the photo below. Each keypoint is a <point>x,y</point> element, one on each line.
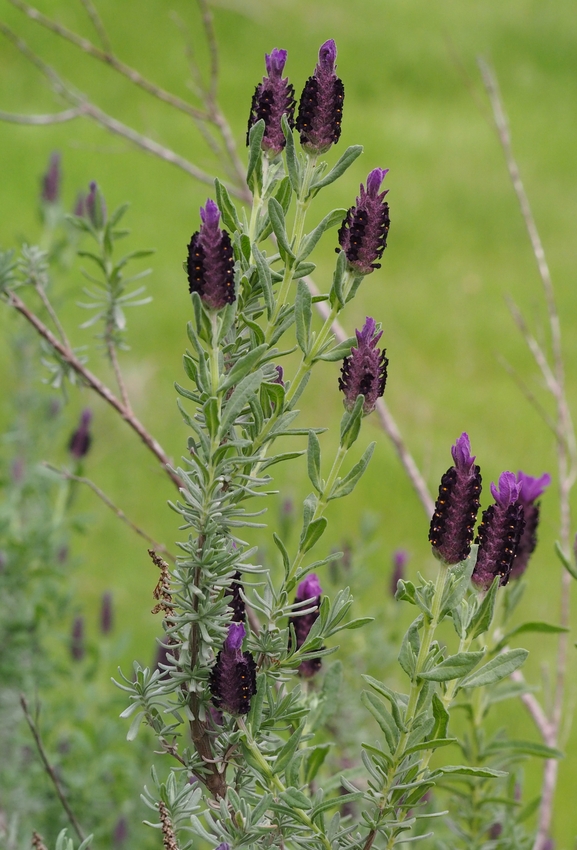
<point>457,247</point>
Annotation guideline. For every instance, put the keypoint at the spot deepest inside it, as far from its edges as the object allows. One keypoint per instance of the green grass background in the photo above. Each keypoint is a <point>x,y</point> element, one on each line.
<point>457,247</point>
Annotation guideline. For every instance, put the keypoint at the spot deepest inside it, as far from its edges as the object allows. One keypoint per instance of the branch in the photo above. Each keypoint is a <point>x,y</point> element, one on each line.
<point>98,25</point>
<point>49,769</point>
<point>69,476</point>
<point>96,384</point>
<point>42,120</point>
<point>387,421</point>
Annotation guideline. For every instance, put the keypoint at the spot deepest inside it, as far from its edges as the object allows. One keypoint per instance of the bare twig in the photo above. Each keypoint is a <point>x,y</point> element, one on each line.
<point>386,420</point>
<point>98,25</point>
<point>42,120</point>
<point>96,384</point>
<point>208,24</point>
<point>49,769</point>
<point>52,313</point>
<point>529,395</point>
<point>566,444</point>
<point>69,476</point>
<point>117,373</point>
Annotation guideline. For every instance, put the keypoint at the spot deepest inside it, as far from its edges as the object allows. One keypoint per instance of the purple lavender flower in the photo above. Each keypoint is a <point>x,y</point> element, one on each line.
<point>106,614</point>
<point>51,181</point>
<point>77,646</point>
<point>364,371</point>
<point>320,112</point>
<point>531,489</point>
<point>232,680</point>
<point>309,590</point>
<point>363,233</point>
<point>210,263</point>
<point>279,376</point>
<point>400,559</point>
<point>235,600</point>
<point>453,522</point>
<point>499,533</point>
<point>81,439</point>
<point>80,205</point>
<point>272,99</point>
<point>95,206</point>
<point>120,833</point>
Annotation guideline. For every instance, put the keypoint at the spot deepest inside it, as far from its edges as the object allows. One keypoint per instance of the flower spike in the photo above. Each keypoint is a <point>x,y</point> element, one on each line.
<point>453,522</point>
<point>364,371</point>
<point>232,680</point>
<point>308,590</point>
<point>272,99</point>
<point>531,489</point>
<point>499,533</point>
<point>363,233</point>
<point>320,112</point>
<point>210,262</point>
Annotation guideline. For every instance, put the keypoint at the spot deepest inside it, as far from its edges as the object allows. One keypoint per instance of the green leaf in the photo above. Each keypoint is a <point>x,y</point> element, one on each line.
<point>496,669</point>
<point>227,209</point>
<point>314,461</point>
<point>383,717</point>
<point>465,770</point>
<point>314,532</point>
<point>315,761</point>
<point>238,400</point>
<point>310,240</point>
<point>282,549</point>
<point>292,162</point>
<point>528,748</point>
<point>242,367</point>
<point>351,423</point>
<point>433,744</point>
<point>410,648</point>
<point>265,278</point>
<point>344,486</point>
<point>295,799</point>
<point>210,410</point>
<point>537,626</point>
<point>340,166</point>
<point>340,351</point>
<point>255,137</point>
<point>336,294</point>
<point>484,615</point>
<point>256,705</point>
<point>458,584</point>
<point>441,716</point>
<point>453,667</point>
<point>304,269</point>
<point>569,566</point>
<point>288,750</point>
<point>335,802</point>
<point>303,316</point>
<point>276,215</point>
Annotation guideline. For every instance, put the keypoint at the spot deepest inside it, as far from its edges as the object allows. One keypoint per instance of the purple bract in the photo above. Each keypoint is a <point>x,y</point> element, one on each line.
<point>272,99</point>
<point>320,112</point>
<point>363,233</point>
<point>364,371</point>
<point>210,261</point>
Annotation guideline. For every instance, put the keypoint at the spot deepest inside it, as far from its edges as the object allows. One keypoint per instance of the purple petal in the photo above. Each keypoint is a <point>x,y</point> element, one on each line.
<point>461,452</point>
<point>275,62</point>
<point>507,491</point>
<point>375,179</point>
<point>309,588</point>
<point>328,55</point>
<point>532,488</point>
<point>210,214</point>
<point>236,633</point>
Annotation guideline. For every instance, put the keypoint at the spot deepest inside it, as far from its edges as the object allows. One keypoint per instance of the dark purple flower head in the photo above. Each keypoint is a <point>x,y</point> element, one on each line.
<point>77,647</point>
<point>210,262</point>
<point>51,181</point>
<point>499,533</point>
<point>81,439</point>
<point>364,371</point>
<point>235,600</point>
<point>232,680</point>
<point>453,522</point>
<point>320,112</point>
<point>106,614</point>
<point>309,589</point>
<point>272,99</point>
<point>400,560</point>
<point>531,489</point>
<point>95,206</point>
<point>363,233</point>
<point>120,833</point>
<point>80,205</point>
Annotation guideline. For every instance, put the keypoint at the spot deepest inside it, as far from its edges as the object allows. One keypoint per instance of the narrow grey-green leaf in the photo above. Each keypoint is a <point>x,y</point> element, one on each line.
<point>465,770</point>
<point>340,351</point>
<point>242,367</point>
<point>303,316</point>
<point>254,148</point>
<point>238,399</point>
<point>287,751</point>
<point>295,799</point>
<point>453,667</point>
<point>528,748</point>
<point>282,549</point>
<point>277,221</point>
<point>496,669</point>
<point>227,209</point>
<point>567,563</point>
<point>310,240</point>
<point>336,295</point>
<point>545,628</point>
<point>265,278</point>
<point>484,614</point>
<point>292,162</point>
<point>383,717</point>
<point>314,461</point>
<point>340,166</point>
<point>346,485</point>
<point>315,531</point>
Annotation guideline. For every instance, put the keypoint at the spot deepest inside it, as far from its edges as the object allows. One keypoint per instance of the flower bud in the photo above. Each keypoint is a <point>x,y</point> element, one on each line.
<point>499,533</point>
<point>95,206</point>
<point>232,680</point>
<point>51,181</point>
<point>272,99</point>
<point>453,522</point>
<point>320,112</point>
<point>363,233</point>
<point>81,439</point>
<point>210,262</point>
<point>364,371</point>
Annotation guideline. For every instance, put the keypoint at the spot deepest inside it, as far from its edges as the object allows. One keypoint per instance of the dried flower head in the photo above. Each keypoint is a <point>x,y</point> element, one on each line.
<point>364,371</point>
<point>81,440</point>
<point>453,522</point>
<point>320,112</point>
<point>51,180</point>
<point>272,99</point>
<point>232,680</point>
<point>531,489</point>
<point>363,233</point>
<point>210,262</point>
<point>499,533</point>
<point>309,590</point>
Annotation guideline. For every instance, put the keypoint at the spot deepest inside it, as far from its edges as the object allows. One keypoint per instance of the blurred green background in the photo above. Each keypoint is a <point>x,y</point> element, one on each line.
<point>457,248</point>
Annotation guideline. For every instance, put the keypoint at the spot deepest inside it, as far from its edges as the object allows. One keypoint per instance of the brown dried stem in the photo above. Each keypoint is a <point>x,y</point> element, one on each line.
<point>566,446</point>
<point>96,384</point>
<point>49,769</point>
